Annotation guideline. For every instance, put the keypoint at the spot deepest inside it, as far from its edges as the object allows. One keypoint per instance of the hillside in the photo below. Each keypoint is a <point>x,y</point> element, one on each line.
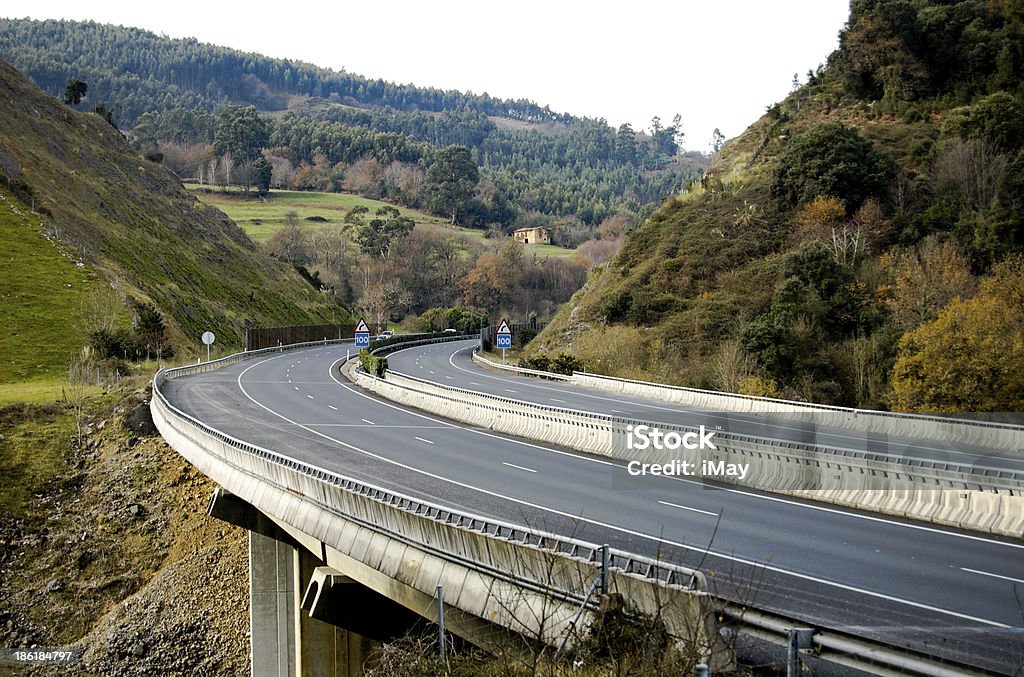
<point>823,254</point>
<point>133,224</point>
<point>40,290</point>
<point>334,130</point>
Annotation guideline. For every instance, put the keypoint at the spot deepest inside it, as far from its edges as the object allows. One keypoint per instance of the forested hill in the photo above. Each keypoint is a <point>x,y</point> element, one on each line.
<point>331,130</point>
<point>161,254</point>
<point>859,244</point>
<point>142,72</point>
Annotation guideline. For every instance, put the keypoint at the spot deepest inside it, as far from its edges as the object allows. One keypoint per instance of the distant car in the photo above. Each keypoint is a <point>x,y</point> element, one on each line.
<point>387,333</point>
<point>449,330</point>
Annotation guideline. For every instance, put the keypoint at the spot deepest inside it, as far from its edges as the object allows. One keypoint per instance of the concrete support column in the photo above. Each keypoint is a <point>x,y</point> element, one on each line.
<point>323,649</point>
<point>287,640</point>
<point>272,607</point>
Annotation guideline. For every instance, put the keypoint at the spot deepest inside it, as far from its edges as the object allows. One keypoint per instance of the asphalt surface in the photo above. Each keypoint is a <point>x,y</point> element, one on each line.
<point>940,590</point>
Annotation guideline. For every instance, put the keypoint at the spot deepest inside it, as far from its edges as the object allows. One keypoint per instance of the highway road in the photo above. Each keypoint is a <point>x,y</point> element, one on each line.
<point>931,588</point>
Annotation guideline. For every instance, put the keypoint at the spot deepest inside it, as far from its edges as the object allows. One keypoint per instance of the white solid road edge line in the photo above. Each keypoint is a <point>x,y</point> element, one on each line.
<point>518,467</point>
<point>985,573</point>
<point>684,507</point>
<point>562,513</point>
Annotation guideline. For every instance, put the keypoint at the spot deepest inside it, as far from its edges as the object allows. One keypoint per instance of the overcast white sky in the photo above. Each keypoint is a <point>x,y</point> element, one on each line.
<point>718,64</point>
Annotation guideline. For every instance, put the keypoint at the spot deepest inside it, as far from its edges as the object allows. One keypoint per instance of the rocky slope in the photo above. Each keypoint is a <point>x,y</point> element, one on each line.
<point>114,555</point>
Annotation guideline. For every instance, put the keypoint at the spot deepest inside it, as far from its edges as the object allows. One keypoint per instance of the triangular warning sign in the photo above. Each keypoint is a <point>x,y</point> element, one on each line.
<point>503,328</point>
<point>361,328</point>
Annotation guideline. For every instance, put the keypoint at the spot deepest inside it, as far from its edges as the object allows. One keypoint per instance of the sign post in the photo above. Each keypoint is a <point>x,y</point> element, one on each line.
<point>208,339</point>
<point>362,334</point>
<point>504,336</point>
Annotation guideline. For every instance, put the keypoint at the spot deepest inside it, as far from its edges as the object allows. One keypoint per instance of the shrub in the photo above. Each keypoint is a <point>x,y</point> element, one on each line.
<point>377,366</point>
<point>566,363</point>
<point>832,159</point>
<point>540,362</point>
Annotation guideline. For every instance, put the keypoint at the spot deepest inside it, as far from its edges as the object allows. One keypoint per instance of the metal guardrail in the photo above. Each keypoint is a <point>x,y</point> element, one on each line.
<point>846,649</point>
<point>811,406</point>
<point>646,567</point>
<point>988,479</point>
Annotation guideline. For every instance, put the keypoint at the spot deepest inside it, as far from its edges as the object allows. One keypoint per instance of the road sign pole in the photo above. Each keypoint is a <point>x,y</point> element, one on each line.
<point>503,356</point>
<point>208,338</point>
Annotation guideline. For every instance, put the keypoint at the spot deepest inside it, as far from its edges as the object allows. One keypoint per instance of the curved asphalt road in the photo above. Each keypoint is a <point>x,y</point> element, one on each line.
<point>936,589</point>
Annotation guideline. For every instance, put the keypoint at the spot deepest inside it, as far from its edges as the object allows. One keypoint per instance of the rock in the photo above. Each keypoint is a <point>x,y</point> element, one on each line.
<point>55,585</point>
<point>139,421</point>
<point>138,649</point>
<point>135,510</point>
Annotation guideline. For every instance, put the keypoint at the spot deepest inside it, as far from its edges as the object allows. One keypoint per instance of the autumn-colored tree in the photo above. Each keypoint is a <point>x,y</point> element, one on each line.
<point>971,357</point>
<point>596,252</point>
<point>495,278</point>
<point>823,211</point>
<point>616,225</point>
<point>924,279</point>
<point>483,287</point>
<point>848,239</point>
<point>364,177</point>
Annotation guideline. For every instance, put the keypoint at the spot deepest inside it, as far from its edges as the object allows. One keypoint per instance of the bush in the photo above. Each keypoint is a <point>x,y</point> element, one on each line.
<point>377,366</point>
<point>565,363</point>
<point>460,318</point>
<point>540,362</point>
<point>833,159</point>
<point>524,336</point>
<point>116,344</point>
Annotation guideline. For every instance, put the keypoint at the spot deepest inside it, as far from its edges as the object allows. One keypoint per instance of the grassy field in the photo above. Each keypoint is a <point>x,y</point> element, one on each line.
<point>41,391</point>
<point>260,218</point>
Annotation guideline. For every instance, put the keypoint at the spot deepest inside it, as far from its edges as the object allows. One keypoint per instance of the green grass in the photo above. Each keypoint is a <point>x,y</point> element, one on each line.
<point>261,218</point>
<point>544,251</point>
<point>42,391</point>
<point>32,452</point>
<point>132,223</point>
<point>40,292</point>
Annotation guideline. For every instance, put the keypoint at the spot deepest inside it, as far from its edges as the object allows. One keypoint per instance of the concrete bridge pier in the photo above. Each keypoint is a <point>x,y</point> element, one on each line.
<point>296,603</point>
<point>286,641</point>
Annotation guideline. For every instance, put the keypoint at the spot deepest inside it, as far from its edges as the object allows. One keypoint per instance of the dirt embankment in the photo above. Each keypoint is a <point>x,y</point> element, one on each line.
<point>114,554</point>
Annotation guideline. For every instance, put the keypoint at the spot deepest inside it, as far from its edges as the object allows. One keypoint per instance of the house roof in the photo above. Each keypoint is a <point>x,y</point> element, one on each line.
<point>529,230</point>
